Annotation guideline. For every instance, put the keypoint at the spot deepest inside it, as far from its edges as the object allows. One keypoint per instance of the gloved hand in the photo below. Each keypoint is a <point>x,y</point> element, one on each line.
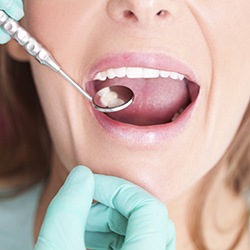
<point>14,8</point>
<point>125,216</point>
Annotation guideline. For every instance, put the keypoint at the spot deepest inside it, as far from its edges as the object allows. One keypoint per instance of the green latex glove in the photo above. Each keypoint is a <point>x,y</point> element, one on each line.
<point>14,8</point>
<point>125,217</point>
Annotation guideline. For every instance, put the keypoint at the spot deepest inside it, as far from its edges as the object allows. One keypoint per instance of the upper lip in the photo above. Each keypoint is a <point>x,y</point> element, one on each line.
<point>144,60</point>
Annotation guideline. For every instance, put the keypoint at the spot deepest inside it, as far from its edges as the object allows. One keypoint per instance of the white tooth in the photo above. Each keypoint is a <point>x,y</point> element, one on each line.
<point>110,74</point>
<point>174,118</point>
<point>181,77</point>
<point>108,97</point>
<point>97,76</point>
<point>174,75</point>
<point>115,103</point>
<point>120,72</point>
<point>103,76</point>
<point>176,115</point>
<point>181,110</point>
<point>151,73</point>
<point>104,102</point>
<point>103,91</point>
<point>134,73</point>
<point>164,74</point>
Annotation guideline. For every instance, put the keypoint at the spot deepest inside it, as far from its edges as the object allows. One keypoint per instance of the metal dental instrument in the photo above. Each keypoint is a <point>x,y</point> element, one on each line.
<point>108,99</point>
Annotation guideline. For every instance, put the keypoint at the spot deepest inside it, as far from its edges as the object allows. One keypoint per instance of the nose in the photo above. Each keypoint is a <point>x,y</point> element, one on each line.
<point>138,11</point>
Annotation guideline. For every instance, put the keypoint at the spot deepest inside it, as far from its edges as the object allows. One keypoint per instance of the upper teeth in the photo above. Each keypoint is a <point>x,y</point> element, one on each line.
<point>136,72</point>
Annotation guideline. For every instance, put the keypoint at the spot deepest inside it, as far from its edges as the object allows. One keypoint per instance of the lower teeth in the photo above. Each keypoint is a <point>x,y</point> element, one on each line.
<point>177,114</point>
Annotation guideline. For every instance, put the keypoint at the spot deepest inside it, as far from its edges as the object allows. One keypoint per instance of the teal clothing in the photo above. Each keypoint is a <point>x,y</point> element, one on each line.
<point>17,217</point>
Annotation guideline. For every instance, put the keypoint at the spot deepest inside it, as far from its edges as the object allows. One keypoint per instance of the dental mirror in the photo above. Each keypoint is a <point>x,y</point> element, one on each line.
<point>113,98</point>
<point>108,99</point>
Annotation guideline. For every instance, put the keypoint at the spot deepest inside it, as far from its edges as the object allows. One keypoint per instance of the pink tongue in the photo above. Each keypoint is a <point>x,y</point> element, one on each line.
<point>156,100</point>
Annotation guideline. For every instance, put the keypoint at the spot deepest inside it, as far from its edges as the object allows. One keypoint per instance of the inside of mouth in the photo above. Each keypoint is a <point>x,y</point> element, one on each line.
<point>157,100</point>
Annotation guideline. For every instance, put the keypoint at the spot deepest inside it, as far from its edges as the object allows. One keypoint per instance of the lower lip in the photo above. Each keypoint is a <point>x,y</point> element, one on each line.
<point>145,136</point>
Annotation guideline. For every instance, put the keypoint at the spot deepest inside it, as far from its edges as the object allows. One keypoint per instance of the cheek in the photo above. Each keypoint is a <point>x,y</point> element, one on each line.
<point>225,25</point>
<point>53,25</point>
<point>59,100</point>
<point>68,129</point>
<point>227,29</point>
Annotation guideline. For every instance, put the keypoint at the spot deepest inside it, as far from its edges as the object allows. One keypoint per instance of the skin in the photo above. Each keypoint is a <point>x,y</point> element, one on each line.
<point>211,37</point>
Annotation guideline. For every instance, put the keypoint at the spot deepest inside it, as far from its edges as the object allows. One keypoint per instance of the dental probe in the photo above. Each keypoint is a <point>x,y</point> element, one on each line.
<point>108,99</point>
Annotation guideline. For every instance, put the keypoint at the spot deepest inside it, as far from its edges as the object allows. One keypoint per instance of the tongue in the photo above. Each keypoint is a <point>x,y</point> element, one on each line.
<point>156,100</point>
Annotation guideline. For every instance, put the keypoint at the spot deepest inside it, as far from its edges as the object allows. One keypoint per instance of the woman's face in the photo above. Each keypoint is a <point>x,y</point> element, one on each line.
<point>208,42</point>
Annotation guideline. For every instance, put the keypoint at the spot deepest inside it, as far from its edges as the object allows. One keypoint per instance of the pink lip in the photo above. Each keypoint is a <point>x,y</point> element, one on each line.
<point>144,136</point>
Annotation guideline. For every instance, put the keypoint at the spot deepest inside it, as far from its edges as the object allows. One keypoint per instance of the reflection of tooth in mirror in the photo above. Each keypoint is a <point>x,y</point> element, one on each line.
<point>103,91</point>
<point>108,97</point>
<point>113,98</point>
<point>115,103</point>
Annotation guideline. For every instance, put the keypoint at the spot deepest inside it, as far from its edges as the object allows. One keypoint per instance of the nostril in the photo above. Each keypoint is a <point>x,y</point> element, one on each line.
<point>128,14</point>
<point>162,13</point>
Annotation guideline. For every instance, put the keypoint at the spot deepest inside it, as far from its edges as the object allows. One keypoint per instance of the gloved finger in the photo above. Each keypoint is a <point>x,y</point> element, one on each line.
<point>64,224</point>
<point>14,8</point>
<point>103,241</point>
<point>4,37</point>
<point>105,219</point>
<point>147,217</point>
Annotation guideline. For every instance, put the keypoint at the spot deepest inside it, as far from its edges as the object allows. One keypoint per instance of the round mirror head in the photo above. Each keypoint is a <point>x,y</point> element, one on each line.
<point>113,99</point>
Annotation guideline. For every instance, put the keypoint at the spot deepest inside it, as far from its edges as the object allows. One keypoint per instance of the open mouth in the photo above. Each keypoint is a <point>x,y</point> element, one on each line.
<point>160,96</point>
